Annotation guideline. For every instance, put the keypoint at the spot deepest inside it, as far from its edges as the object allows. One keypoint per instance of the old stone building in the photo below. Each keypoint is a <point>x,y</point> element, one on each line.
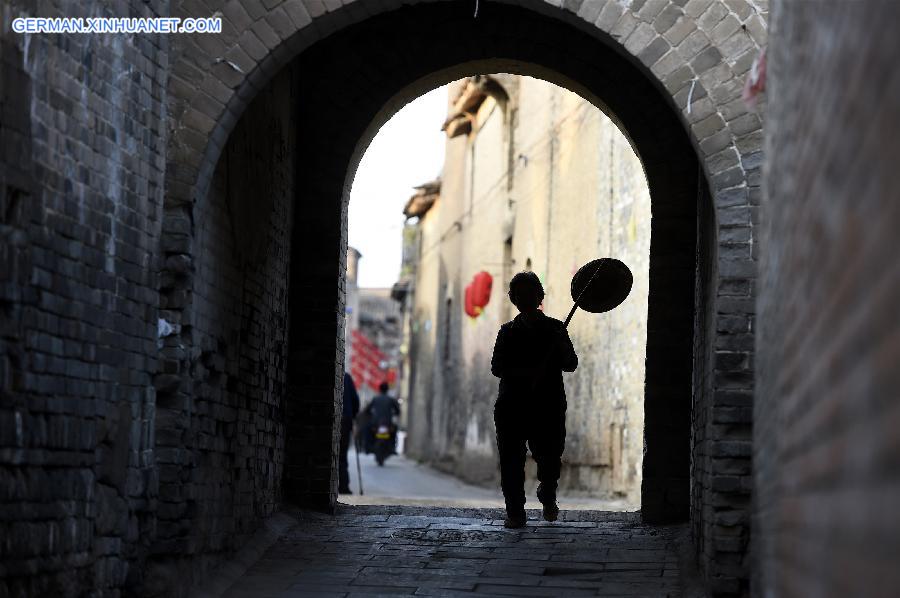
<point>173,224</point>
<point>535,178</point>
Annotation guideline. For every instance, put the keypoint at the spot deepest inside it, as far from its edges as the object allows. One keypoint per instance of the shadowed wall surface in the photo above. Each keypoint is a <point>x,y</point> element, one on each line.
<point>826,447</point>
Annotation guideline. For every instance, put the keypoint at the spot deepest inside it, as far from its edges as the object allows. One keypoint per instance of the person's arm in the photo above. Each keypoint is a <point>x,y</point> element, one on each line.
<point>568,360</point>
<point>498,359</point>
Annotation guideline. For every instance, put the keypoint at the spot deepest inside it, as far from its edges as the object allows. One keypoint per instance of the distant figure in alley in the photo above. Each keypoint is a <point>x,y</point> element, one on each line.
<point>348,415</point>
<point>381,412</point>
<point>529,357</point>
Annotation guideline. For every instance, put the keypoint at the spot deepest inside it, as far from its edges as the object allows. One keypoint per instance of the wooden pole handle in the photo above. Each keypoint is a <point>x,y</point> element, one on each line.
<point>571,313</point>
<point>575,306</point>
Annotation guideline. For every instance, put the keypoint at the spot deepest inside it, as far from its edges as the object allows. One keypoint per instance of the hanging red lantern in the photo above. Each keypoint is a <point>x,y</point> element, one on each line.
<point>471,311</point>
<point>478,293</point>
<point>481,289</point>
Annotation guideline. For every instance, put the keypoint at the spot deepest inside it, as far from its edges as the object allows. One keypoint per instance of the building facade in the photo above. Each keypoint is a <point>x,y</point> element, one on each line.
<point>535,178</point>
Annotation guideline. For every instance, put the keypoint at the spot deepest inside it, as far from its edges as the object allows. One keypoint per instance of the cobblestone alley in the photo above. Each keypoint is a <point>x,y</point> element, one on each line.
<point>459,552</point>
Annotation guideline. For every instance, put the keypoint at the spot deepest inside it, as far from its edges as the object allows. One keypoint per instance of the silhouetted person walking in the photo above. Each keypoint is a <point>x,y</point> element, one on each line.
<point>530,355</point>
<point>351,408</point>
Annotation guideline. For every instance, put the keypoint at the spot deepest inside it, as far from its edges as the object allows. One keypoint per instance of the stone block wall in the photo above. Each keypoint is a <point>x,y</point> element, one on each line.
<point>119,449</point>
<point>827,413</point>
<point>82,159</point>
<point>220,424</point>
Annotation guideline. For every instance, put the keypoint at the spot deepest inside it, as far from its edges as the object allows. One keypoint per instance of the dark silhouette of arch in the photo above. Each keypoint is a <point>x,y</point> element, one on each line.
<point>351,82</point>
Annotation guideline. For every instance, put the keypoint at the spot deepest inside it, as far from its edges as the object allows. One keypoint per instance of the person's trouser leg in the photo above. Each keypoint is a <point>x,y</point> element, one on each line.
<point>547,440</point>
<point>343,466</point>
<point>511,449</point>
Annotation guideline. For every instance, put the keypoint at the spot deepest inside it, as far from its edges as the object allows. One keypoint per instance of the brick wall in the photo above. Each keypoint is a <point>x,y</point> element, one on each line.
<point>827,414</point>
<point>83,135</point>
<point>220,432</point>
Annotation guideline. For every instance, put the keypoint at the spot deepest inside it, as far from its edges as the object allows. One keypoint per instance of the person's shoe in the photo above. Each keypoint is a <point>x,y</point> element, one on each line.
<point>551,511</point>
<point>515,521</point>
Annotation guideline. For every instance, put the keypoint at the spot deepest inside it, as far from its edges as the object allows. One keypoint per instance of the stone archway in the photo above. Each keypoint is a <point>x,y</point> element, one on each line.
<point>358,63</point>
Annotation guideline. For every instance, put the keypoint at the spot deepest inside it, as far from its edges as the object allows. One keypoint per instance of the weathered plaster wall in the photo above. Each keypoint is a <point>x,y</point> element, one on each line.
<point>599,205</point>
<point>423,337</point>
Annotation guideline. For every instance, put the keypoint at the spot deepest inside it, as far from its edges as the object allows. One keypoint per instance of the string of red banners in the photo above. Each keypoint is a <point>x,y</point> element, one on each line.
<point>366,363</point>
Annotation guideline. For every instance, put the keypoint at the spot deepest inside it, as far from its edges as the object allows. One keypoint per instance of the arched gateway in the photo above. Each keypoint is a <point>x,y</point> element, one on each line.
<point>669,72</point>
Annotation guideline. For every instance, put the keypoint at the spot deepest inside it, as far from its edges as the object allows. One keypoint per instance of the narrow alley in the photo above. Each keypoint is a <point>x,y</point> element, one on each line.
<point>403,481</point>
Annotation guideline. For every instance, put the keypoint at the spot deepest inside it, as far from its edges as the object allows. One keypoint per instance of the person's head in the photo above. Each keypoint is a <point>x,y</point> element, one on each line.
<point>383,388</point>
<point>526,291</point>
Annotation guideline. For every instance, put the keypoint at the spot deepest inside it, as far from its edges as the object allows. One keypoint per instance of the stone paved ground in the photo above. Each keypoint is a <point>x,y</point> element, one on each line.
<point>366,551</point>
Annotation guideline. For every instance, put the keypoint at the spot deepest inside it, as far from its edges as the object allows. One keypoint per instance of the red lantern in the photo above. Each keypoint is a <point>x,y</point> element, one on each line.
<point>478,293</point>
<point>471,311</point>
<point>481,289</point>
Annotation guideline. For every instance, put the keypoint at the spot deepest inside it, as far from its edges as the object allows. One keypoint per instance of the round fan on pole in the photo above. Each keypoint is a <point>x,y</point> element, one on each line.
<point>600,285</point>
